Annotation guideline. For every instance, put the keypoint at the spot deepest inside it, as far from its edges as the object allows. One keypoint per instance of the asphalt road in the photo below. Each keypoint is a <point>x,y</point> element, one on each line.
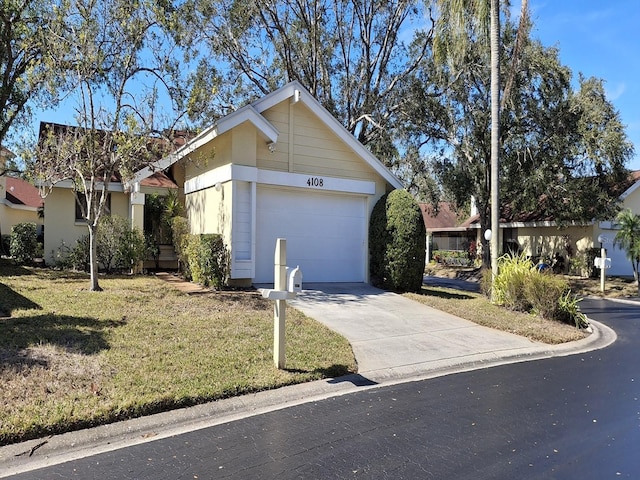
<point>565,418</point>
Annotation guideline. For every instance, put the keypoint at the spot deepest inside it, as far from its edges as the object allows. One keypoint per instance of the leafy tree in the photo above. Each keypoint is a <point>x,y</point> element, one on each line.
<point>115,59</point>
<point>628,238</point>
<point>351,55</point>
<point>548,161</point>
<point>454,24</point>
<point>23,74</point>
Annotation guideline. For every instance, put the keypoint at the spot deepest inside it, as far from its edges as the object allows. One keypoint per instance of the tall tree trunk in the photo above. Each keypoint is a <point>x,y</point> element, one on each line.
<point>93,258</point>
<point>495,135</point>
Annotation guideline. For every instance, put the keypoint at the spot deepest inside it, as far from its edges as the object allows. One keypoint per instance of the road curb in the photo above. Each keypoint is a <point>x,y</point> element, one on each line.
<point>40,453</point>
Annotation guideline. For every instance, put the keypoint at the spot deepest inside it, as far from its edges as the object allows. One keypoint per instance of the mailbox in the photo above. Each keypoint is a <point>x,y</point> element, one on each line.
<point>294,280</point>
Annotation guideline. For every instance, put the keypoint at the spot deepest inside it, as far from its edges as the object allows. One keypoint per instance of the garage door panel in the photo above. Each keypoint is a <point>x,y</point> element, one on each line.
<point>325,234</point>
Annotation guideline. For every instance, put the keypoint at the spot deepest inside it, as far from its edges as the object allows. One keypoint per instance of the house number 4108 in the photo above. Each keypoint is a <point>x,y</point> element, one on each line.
<point>315,182</point>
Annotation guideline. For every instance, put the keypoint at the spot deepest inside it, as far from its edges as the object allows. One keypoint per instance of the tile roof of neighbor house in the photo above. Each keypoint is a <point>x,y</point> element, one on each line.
<point>445,220</point>
<point>21,192</point>
<point>158,179</point>
<point>508,215</point>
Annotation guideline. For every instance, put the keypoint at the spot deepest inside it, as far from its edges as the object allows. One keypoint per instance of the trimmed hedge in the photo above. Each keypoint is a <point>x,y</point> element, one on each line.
<point>397,239</point>
<point>203,258</point>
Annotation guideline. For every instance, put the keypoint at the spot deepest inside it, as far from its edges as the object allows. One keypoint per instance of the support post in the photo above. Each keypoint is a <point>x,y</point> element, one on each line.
<point>603,254</point>
<point>280,306</point>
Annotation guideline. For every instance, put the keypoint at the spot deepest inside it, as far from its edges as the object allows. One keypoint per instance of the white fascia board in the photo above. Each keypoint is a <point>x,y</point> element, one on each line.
<point>111,187</point>
<point>221,175</point>
<point>289,91</point>
<point>243,173</point>
<point>245,114</point>
<point>9,204</point>
<point>316,182</point>
<point>630,190</point>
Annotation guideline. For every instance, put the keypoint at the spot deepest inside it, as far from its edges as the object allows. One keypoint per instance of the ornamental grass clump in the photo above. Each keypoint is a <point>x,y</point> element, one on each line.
<point>509,285</point>
<point>521,287</point>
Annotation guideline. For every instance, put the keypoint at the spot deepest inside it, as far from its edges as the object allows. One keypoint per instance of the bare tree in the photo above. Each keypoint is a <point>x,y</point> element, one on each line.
<point>352,55</point>
<point>114,59</point>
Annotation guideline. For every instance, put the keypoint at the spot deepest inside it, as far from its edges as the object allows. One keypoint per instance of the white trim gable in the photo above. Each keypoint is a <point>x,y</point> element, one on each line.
<point>297,92</point>
<point>630,190</point>
<point>253,113</point>
<point>245,114</point>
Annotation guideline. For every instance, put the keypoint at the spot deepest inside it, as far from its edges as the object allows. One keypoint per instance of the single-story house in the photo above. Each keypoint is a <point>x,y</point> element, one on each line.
<point>19,200</point>
<point>541,238</point>
<point>280,167</point>
<point>445,228</point>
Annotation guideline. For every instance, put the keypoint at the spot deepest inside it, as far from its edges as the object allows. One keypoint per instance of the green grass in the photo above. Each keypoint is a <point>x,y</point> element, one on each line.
<point>71,358</point>
<point>478,309</point>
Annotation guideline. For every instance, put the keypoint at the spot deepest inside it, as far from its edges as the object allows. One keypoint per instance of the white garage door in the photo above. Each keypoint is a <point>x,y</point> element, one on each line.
<point>325,234</point>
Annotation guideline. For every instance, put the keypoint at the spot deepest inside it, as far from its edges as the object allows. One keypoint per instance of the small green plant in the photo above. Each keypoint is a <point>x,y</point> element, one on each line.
<point>520,286</point>
<point>73,258</point>
<point>544,292</point>
<point>23,243</point>
<point>179,237</point>
<point>569,310</point>
<point>132,249</point>
<point>208,260</point>
<point>214,261</point>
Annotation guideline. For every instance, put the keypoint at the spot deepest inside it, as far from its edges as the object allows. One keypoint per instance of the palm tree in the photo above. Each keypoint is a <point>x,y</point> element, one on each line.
<point>628,238</point>
<point>495,136</point>
<point>450,43</point>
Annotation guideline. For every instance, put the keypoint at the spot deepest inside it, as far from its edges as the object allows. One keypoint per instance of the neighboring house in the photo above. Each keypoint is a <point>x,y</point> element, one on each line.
<point>281,167</point>
<point>541,238</point>
<point>445,231</point>
<point>19,201</point>
<point>63,222</point>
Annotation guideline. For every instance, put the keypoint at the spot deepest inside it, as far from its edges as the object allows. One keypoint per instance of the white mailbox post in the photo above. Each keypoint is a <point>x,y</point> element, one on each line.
<point>286,285</point>
<point>602,262</point>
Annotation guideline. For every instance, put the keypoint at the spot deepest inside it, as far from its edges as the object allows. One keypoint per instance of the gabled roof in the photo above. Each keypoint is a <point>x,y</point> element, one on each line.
<point>253,113</point>
<point>445,219</point>
<point>156,179</point>
<point>20,193</point>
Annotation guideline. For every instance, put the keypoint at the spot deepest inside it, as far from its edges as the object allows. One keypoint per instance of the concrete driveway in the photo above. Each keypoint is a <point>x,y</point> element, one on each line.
<point>393,336</point>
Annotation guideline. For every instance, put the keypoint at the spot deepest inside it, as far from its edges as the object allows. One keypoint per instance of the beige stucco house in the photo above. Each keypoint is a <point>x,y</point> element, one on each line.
<point>281,167</point>
<point>19,200</point>
<point>542,238</point>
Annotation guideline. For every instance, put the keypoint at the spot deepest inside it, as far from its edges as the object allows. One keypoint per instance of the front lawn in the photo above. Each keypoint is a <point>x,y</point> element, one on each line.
<point>478,309</point>
<point>71,358</point>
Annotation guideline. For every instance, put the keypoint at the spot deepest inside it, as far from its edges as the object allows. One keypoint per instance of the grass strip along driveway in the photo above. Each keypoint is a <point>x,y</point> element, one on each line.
<point>71,358</point>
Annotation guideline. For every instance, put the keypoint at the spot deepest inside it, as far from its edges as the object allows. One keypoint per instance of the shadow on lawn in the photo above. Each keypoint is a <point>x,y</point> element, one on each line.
<point>10,269</point>
<point>10,300</point>
<point>82,335</point>
<point>430,292</point>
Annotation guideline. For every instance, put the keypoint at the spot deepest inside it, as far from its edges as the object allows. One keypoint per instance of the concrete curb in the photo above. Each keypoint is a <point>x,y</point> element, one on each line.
<point>34,454</point>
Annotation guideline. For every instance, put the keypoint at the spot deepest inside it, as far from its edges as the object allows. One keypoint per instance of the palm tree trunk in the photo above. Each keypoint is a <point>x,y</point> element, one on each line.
<point>495,135</point>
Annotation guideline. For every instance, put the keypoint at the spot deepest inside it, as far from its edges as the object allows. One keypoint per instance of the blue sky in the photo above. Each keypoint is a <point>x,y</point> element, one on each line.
<point>600,39</point>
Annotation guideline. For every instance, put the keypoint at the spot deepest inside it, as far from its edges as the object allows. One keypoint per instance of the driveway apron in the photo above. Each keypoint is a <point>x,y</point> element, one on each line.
<point>393,335</point>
